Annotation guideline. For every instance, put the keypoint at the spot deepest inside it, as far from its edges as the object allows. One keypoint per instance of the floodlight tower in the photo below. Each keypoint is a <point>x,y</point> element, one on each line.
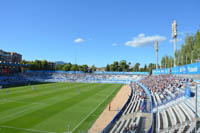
<point>156,49</point>
<point>174,36</point>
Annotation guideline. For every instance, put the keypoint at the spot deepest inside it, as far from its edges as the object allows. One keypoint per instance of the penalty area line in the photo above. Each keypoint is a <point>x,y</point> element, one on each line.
<point>25,129</point>
<point>91,112</point>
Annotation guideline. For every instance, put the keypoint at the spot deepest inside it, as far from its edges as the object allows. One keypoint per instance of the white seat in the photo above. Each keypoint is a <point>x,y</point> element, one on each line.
<point>158,120</point>
<point>135,104</point>
<point>165,120</point>
<point>191,104</point>
<point>172,117</point>
<point>115,127</point>
<point>120,126</point>
<point>158,98</point>
<point>154,99</point>
<point>138,106</point>
<point>126,124</point>
<point>182,118</point>
<point>132,105</point>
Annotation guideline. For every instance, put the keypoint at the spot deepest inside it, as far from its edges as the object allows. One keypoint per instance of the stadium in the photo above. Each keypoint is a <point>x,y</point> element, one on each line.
<point>158,103</point>
<point>63,79</point>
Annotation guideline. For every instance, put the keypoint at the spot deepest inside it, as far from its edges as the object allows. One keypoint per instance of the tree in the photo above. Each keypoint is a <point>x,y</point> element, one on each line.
<point>73,68</point>
<point>44,64</point>
<point>107,67</point>
<point>68,66</point>
<point>151,67</point>
<point>93,68</point>
<point>136,67</point>
<point>123,66</point>
<point>59,67</point>
<point>112,67</point>
<point>85,68</point>
<point>145,67</point>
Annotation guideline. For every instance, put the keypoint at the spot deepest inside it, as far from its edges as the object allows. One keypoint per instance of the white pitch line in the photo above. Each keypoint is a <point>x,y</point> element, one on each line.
<point>26,129</point>
<point>91,112</point>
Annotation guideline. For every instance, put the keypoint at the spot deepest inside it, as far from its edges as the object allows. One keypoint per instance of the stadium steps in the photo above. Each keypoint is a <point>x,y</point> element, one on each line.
<point>169,120</point>
<point>129,105</point>
<point>134,106</point>
<point>181,117</point>
<point>191,104</point>
<point>121,126</point>
<point>154,99</point>
<point>126,125</point>
<point>177,119</point>
<point>138,106</point>
<point>165,120</point>
<point>172,118</point>
<point>158,98</point>
<point>115,126</point>
<point>141,123</point>
<point>159,123</point>
<point>188,118</point>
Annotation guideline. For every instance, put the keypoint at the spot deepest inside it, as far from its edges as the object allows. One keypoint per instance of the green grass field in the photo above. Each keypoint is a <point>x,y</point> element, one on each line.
<point>53,107</point>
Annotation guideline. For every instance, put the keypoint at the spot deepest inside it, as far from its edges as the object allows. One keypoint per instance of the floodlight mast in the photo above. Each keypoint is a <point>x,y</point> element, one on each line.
<point>156,49</point>
<point>174,36</point>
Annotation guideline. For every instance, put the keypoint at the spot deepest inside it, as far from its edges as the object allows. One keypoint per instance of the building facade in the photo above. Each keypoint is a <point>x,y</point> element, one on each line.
<point>9,62</point>
<point>10,57</point>
<point>52,65</point>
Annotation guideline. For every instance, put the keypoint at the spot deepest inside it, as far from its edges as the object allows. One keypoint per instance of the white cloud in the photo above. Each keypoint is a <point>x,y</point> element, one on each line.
<point>78,40</point>
<point>142,40</point>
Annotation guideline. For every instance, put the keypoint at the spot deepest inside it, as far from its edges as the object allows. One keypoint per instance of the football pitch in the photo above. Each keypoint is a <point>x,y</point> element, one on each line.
<point>53,107</point>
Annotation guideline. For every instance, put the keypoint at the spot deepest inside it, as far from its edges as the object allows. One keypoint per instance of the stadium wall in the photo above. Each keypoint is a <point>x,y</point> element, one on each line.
<point>122,73</point>
<point>190,69</point>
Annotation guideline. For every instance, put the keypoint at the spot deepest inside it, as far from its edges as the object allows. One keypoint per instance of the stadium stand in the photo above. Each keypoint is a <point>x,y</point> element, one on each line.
<point>173,107</point>
<point>131,117</point>
<point>175,112</point>
<point>170,101</point>
<point>60,76</point>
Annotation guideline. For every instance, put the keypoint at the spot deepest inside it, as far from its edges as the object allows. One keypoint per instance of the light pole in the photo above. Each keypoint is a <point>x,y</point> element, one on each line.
<point>174,36</point>
<point>156,49</point>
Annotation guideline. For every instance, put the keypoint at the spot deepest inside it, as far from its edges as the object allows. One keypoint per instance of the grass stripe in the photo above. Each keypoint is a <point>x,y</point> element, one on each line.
<point>48,109</point>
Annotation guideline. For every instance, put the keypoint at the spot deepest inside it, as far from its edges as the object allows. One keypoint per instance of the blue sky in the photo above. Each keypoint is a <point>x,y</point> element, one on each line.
<point>94,31</point>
